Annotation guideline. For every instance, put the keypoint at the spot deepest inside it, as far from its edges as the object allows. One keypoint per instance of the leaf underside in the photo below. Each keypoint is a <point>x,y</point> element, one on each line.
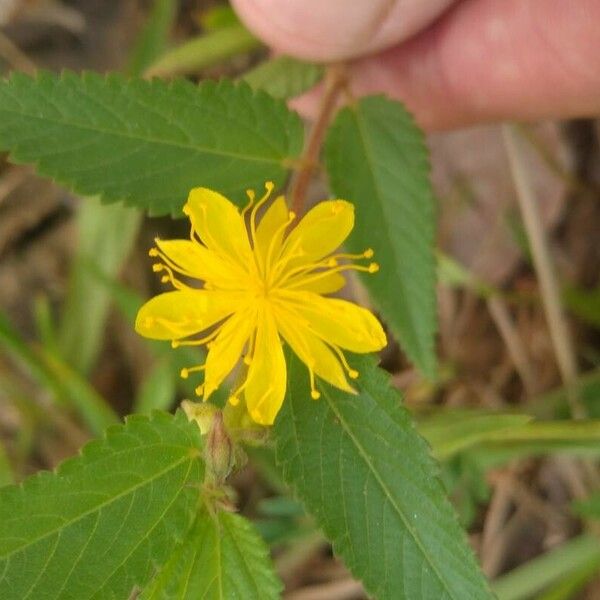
<point>368,478</point>
<point>147,143</point>
<point>376,158</point>
<point>105,520</point>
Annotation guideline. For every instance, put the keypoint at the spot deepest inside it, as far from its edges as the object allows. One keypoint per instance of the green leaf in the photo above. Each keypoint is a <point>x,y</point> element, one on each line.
<point>204,51</point>
<point>377,159</point>
<point>284,76</point>
<point>104,520</point>
<point>147,142</point>
<point>365,474</point>
<point>222,558</point>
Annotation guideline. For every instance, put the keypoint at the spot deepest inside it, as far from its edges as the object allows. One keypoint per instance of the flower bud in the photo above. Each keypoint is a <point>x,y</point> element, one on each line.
<point>219,452</point>
<point>202,413</point>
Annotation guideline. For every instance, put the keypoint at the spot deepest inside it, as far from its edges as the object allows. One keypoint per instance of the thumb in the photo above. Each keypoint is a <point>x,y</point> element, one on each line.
<point>330,30</point>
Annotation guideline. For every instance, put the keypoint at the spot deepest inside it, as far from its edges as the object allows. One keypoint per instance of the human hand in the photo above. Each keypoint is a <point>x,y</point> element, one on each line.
<point>453,63</point>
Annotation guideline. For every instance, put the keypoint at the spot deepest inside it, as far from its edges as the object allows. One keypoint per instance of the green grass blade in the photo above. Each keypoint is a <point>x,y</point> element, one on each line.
<point>544,571</point>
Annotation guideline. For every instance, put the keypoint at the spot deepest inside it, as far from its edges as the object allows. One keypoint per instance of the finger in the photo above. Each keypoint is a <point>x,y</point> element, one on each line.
<point>330,30</point>
<point>489,60</point>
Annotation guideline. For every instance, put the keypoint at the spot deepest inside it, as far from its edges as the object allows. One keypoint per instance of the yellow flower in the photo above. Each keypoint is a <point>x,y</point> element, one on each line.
<point>261,285</point>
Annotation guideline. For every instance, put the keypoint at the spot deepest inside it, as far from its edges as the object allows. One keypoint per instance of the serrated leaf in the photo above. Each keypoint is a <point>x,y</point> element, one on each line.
<point>147,142</point>
<point>377,159</point>
<point>284,76</point>
<point>101,523</point>
<point>222,558</point>
<point>366,475</point>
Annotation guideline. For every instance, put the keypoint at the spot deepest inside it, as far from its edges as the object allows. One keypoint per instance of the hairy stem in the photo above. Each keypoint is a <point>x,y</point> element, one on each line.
<point>334,83</point>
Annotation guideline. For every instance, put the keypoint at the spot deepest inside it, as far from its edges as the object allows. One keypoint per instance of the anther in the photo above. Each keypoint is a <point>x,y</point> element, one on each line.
<point>234,400</point>
<point>353,373</point>
<point>199,390</point>
<point>368,253</point>
<point>315,395</point>
<point>156,267</point>
<point>153,252</point>
<point>165,279</point>
<point>175,344</point>
<point>184,373</point>
<point>373,268</point>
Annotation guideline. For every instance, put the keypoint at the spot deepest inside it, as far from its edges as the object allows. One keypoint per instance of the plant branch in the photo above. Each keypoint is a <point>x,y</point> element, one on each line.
<point>334,83</point>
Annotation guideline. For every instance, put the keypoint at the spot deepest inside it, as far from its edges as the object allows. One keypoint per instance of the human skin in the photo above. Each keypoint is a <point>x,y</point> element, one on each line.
<point>453,62</point>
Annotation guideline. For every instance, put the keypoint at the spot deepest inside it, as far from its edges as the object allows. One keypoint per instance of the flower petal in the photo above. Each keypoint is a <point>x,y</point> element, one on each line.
<point>312,351</point>
<point>194,260</point>
<point>339,322</point>
<point>175,315</point>
<point>327,283</point>
<point>267,375</point>
<point>270,230</point>
<point>219,224</point>
<point>227,349</point>
<point>322,230</point>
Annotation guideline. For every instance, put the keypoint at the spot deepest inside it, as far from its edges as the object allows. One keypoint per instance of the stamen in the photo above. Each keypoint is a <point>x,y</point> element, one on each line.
<point>300,280</point>
<point>155,252</point>
<point>368,253</point>
<point>247,360</point>
<point>157,267</point>
<point>352,373</point>
<point>199,390</point>
<point>283,227</point>
<point>200,342</point>
<point>251,197</point>
<point>269,186</point>
<point>314,394</point>
<point>185,372</point>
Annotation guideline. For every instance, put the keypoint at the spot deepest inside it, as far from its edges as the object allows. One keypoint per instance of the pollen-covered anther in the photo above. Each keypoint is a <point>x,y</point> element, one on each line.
<point>353,374</point>
<point>199,390</point>
<point>373,267</point>
<point>315,395</point>
<point>233,400</point>
<point>368,253</point>
<point>157,267</point>
<point>185,372</point>
<point>153,252</point>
